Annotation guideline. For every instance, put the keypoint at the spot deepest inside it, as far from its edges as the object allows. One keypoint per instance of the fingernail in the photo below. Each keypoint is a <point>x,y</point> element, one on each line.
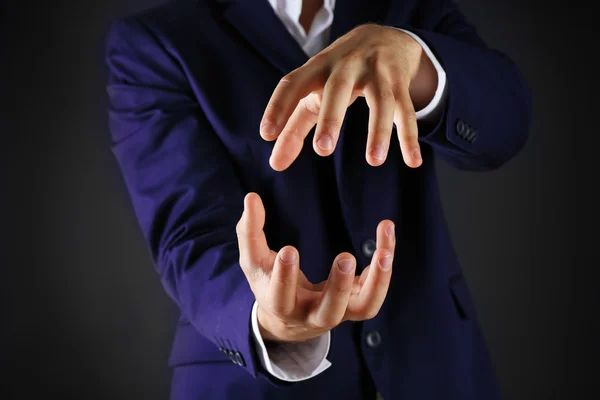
<point>417,155</point>
<point>346,265</point>
<point>268,129</point>
<point>390,231</point>
<point>325,143</point>
<point>378,152</point>
<point>385,262</point>
<point>288,256</point>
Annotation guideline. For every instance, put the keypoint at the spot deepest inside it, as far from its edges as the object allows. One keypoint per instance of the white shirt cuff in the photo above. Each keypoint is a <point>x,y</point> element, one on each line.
<point>292,362</point>
<point>433,110</point>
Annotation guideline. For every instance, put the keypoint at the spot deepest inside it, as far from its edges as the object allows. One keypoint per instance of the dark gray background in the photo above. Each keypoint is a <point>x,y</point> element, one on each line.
<point>83,313</point>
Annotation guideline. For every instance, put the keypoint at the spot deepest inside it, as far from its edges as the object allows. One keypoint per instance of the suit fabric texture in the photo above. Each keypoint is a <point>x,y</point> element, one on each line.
<point>188,84</point>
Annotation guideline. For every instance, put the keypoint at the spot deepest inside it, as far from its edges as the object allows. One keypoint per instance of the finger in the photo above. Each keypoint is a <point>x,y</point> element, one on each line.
<point>291,89</point>
<point>252,243</point>
<point>374,289</point>
<point>380,99</point>
<point>363,276</point>
<point>334,300</point>
<point>405,119</point>
<point>291,140</point>
<point>281,295</point>
<point>359,280</point>
<point>337,94</point>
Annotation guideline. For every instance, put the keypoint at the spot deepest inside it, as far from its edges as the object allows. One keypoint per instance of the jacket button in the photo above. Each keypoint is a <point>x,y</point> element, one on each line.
<point>239,359</point>
<point>368,248</point>
<point>373,339</point>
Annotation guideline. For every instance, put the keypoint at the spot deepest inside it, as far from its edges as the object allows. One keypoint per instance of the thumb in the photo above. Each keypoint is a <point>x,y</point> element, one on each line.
<point>254,212</point>
<point>252,241</point>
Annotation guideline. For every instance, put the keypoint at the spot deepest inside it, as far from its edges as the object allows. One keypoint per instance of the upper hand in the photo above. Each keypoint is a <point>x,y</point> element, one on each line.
<point>384,65</point>
<point>290,307</point>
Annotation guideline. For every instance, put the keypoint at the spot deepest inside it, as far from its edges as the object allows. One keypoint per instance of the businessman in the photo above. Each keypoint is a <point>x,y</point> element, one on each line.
<point>279,156</point>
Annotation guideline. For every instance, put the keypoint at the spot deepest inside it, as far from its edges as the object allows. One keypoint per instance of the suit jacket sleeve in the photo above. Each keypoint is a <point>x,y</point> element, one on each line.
<point>487,114</point>
<point>184,187</point>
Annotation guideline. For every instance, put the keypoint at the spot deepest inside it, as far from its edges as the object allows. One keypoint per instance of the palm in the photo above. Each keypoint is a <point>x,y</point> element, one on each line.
<point>292,307</point>
<point>309,294</point>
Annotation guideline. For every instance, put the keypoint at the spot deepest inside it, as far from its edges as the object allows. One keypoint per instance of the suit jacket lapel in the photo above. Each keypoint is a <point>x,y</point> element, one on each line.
<point>258,24</point>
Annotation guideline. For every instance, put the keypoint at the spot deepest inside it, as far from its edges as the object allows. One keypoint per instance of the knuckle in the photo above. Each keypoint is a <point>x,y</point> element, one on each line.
<point>385,54</point>
<point>330,125</point>
<point>381,136</point>
<point>340,288</point>
<point>273,108</point>
<point>311,105</point>
<point>366,26</point>
<point>397,68</point>
<point>292,133</point>
<point>381,253</point>
<point>384,92</point>
<point>351,60</point>
<point>338,83</point>
<point>380,58</point>
<point>288,80</point>
<point>367,312</point>
<point>370,313</point>
<point>319,58</point>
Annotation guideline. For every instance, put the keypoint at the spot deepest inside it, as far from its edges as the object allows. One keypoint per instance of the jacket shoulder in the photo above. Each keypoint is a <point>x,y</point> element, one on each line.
<point>171,18</point>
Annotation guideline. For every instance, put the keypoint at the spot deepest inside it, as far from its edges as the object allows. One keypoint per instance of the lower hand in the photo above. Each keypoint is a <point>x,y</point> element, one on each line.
<point>290,307</point>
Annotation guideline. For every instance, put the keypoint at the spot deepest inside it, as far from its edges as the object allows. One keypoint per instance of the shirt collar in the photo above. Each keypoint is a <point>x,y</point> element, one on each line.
<point>293,8</point>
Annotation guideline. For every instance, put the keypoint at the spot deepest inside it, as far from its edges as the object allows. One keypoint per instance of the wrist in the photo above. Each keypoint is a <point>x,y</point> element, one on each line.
<point>422,72</point>
<point>274,330</point>
<point>424,79</point>
<point>265,333</point>
<point>270,328</point>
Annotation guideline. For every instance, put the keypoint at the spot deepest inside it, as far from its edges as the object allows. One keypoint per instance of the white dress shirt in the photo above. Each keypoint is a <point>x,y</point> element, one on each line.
<point>295,362</point>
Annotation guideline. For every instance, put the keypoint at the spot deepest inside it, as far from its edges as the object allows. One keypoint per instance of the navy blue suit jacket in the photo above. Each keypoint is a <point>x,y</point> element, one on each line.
<point>189,81</point>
